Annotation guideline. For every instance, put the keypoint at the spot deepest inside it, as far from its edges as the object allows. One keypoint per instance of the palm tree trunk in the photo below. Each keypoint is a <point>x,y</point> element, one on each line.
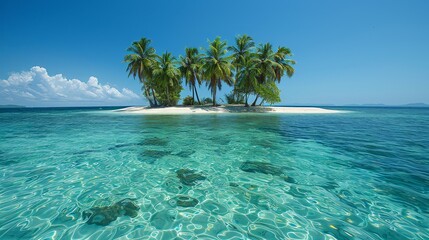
<point>256,99</point>
<point>214,95</point>
<point>195,88</point>
<point>236,74</point>
<point>262,102</point>
<point>196,93</point>
<point>154,98</point>
<point>168,97</point>
<point>193,96</point>
<point>146,93</point>
<point>246,104</point>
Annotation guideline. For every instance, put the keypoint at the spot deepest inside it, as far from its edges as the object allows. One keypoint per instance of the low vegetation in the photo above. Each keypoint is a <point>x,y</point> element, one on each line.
<point>188,101</point>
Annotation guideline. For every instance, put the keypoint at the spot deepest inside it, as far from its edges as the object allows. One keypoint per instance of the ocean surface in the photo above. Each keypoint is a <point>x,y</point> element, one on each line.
<point>89,173</point>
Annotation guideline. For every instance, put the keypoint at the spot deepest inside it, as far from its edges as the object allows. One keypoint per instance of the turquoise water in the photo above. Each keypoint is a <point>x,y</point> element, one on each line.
<point>88,173</point>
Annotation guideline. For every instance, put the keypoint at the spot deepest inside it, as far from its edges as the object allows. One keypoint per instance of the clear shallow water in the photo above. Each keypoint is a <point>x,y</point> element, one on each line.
<point>358,175</point>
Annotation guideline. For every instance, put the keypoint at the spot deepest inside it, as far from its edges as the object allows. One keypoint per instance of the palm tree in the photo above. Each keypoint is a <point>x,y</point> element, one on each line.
<point>191,69</point>
<point>284,64</point>
<point>217,66</point>
<point>265,62</point>
<point>166,74</point>
<point>140,63</point>
<point>247,77</point>
<point>243,47</point>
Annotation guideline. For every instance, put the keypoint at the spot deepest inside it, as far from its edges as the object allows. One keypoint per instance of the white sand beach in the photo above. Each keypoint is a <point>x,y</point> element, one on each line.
<point>223,109</point>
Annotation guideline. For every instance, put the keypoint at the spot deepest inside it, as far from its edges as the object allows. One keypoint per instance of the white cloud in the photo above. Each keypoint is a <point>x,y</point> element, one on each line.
<point>37,88</point>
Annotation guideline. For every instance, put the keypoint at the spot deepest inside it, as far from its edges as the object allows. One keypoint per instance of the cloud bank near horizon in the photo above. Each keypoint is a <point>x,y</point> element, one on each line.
<point>37,88</point>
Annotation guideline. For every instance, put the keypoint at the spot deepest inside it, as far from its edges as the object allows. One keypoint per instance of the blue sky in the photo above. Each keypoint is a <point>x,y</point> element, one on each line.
<point>347,52</point>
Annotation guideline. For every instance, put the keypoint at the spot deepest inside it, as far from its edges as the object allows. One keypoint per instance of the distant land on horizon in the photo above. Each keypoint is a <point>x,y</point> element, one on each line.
<point>417,105</point>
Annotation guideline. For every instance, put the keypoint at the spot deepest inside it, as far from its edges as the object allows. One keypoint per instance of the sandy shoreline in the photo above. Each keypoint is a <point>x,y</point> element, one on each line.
<point>223,109</point>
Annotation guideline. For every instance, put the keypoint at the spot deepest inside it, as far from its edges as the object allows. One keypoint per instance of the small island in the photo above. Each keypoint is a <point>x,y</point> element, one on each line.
<point>254,72</point>
<point>223,109</point>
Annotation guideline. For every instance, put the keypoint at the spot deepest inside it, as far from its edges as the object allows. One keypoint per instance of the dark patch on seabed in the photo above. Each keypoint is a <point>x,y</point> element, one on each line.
<point>189,177</point>
<point>145,142</point>
<point>265,168</point>
<point>185,153</point>
<point>184,201</point>
<point>103,216</point>
<point>155,141</point>
<point>125,145</point>
<point>261,167</point>
<point>150,155</point>
<point>220,140</point>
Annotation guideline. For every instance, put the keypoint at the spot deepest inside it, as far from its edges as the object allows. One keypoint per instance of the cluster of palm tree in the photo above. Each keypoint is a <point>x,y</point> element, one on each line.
<point>159,75</point>
<point>252,70</point>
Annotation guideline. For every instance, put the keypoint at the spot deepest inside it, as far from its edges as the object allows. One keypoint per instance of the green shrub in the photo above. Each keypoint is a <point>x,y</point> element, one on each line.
<point>188,101</point>
<point>207,100</point>
<point>173,99</point>
<point>234,98</point>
